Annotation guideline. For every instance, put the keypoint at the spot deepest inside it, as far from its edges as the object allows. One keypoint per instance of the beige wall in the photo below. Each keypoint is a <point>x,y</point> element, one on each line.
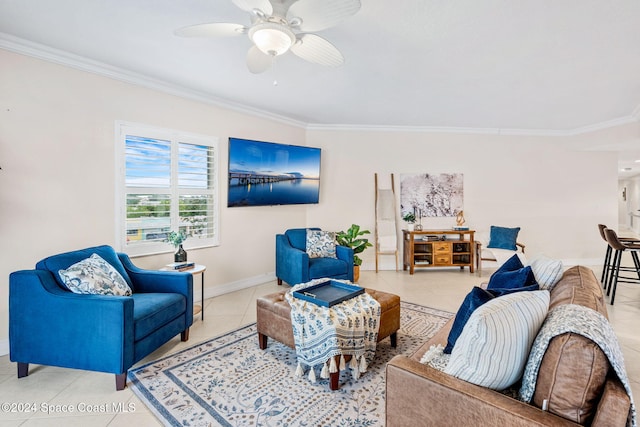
<point>57,156</point>
<point>57,181</point>
<point>557,195</point>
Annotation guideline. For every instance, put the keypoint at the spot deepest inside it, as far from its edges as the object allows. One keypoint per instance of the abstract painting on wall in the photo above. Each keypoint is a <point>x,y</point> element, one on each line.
<point>431,195</point>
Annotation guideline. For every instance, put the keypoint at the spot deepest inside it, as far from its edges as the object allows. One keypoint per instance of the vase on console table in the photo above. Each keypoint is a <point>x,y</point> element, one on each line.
<point>180,255</point>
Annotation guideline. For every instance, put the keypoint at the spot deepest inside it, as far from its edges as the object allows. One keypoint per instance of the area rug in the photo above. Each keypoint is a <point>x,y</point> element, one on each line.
<point>229,381</point>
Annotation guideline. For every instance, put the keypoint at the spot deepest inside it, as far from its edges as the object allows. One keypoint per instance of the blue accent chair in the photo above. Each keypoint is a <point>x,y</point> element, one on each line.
<point>50,325</point>
<point>294,266</point>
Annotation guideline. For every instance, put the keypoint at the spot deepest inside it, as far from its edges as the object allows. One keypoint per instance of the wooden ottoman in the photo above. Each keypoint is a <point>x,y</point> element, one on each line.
<point>274,321</point>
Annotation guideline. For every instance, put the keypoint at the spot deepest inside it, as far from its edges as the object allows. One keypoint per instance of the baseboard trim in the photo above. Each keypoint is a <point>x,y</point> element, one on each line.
<point>593,262</point>
<point>239,285</point>
<point>4,347</point>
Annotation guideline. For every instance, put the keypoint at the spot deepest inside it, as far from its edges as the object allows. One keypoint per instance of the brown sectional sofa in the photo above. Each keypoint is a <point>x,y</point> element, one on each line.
<point>575,378</point>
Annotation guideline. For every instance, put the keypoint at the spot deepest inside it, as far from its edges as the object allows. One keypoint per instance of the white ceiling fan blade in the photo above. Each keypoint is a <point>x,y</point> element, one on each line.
<point>317,15</point>
<point>249,5</point>
<point>313,48</point>
<point>217,29</point>
<point>258,61</point>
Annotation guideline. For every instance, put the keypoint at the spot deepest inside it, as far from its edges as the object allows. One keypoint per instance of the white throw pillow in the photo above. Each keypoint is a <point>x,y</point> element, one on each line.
<point>321,244</point>
<point>547,271</point>
<point>95,276</point>
<point>494,345</point>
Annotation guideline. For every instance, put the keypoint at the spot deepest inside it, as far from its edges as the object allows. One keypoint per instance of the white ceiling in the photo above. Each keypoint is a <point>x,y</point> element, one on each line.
<point>532,66</point>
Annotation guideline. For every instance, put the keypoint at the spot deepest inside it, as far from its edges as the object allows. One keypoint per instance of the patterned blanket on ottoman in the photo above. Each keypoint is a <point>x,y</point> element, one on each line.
<point>321,333</point>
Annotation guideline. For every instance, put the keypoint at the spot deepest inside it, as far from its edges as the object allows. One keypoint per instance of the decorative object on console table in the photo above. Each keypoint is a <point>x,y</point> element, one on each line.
<point>352,239</point>
<point>410,219</point>
<point>194,269</point>
<point>426,249</point>
<point>418,226</point>
<point>460,222</point>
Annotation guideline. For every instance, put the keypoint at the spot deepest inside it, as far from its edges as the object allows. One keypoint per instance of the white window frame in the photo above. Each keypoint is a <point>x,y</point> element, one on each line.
<point>126,128</point>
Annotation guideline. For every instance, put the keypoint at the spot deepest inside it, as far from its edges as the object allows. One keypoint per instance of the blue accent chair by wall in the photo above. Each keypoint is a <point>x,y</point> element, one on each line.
<point>50,325</point>
<point>294,266</point>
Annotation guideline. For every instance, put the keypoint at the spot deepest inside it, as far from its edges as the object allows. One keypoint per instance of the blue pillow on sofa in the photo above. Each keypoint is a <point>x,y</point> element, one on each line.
<point>512,279</point>
<point>512,264</point>
<point>472,301</point>
<point>503,238</point>
<point>512,274</point>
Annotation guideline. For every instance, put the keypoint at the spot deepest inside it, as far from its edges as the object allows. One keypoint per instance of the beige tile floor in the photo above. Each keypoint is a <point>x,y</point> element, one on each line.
<point>94,401</point>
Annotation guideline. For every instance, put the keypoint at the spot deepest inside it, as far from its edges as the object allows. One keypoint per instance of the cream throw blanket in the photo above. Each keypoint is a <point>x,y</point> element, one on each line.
<point>346,329</point>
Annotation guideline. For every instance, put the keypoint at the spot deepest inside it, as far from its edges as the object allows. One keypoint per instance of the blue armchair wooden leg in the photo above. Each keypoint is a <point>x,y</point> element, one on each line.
<point>121,381</point>
<point>184,335</point>
<point>23,369</point>
<point>279,281</point>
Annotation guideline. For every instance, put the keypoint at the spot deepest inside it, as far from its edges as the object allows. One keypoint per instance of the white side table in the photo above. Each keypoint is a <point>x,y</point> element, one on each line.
<point>197,269</point>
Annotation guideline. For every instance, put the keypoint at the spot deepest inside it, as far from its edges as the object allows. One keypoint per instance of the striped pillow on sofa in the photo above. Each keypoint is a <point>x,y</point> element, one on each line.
<point>547,271</point>
<point>494,345</point>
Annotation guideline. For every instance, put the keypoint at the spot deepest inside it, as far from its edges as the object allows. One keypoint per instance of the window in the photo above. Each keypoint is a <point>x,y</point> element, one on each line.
<point>167,182</point>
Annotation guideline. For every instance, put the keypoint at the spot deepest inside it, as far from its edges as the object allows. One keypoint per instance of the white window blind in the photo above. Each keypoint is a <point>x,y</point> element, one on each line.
<point>167,183</point>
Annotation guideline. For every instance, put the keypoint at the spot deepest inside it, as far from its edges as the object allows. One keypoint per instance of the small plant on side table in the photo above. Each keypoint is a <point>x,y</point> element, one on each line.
<point>176,239</point>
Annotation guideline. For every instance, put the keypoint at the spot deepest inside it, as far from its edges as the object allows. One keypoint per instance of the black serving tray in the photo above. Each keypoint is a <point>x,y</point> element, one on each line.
<point>329,293</point>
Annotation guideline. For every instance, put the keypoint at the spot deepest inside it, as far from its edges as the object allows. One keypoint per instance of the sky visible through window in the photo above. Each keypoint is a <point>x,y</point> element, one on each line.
<point>148,163</point>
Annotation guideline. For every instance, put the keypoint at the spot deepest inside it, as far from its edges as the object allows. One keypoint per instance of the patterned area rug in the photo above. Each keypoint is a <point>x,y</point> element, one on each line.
<point>229,381</point>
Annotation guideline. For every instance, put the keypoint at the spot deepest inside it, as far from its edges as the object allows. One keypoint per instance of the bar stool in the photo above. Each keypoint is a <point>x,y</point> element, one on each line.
<point>607,257</point>
<point>606,268</point>
<point>618,247</point>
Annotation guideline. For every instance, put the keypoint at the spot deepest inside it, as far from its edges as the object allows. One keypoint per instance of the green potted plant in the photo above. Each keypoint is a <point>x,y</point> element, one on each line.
<point>176,239</point>
<point>410,219</point>
<point>352,238</point>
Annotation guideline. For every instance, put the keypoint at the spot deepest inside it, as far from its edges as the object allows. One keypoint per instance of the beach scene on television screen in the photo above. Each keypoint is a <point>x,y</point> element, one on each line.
<point>265,173</point>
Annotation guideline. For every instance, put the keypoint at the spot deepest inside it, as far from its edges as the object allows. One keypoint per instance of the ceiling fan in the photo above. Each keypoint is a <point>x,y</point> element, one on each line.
<point>278,26</point>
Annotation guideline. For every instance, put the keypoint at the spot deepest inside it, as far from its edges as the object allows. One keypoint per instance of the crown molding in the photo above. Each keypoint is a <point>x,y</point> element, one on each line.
<point>46,53</point>
<point>605,125</point>
<point>390,128</point>
<point>634,118</point>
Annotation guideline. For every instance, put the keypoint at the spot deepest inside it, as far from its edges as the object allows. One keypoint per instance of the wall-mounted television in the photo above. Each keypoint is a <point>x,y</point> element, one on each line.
<point>267,173</point>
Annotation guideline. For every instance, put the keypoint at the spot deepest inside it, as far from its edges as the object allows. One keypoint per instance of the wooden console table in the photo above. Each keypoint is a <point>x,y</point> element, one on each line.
<point>434,248</point>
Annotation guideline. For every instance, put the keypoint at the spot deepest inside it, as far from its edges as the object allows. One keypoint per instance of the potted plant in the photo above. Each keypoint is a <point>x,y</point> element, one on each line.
<point>352,238</point>
<point>410,219</point>
<point>176,239</point>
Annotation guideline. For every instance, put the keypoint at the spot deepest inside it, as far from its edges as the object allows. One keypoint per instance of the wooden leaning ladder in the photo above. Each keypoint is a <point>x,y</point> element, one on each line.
<point>385,233</point>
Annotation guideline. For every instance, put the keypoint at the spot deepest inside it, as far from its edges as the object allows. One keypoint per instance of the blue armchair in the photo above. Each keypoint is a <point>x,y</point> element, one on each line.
<point>294,266</point>
<point>50,325</point>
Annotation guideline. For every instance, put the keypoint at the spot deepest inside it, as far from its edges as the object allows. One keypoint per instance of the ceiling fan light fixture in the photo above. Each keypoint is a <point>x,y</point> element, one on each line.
<point>272,38</point>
